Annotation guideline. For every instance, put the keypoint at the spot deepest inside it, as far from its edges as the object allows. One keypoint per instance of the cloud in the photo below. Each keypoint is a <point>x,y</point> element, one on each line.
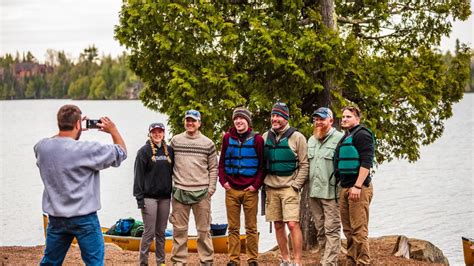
<point>68,25</point>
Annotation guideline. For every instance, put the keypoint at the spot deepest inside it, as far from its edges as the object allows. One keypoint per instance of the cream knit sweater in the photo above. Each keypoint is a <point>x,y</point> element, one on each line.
<point>195,162</point>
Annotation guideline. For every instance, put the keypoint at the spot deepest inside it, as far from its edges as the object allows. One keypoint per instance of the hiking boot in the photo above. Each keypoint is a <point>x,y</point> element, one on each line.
<point>285,263</point>
<point>253,263</point>
<point>231,263</point>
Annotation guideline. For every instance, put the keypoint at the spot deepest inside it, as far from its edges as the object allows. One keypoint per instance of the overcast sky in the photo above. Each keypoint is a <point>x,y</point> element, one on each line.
<point>69,25</point>
<point>73,25</point>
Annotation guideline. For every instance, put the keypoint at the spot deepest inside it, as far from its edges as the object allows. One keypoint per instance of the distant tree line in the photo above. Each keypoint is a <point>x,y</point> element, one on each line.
<point>91,77</point>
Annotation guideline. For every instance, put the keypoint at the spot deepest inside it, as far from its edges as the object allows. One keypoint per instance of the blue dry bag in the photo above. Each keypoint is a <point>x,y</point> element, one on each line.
<point>124,226</point>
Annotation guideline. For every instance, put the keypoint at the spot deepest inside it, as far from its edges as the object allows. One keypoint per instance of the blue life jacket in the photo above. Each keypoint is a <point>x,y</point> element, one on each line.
<point>241,157</point>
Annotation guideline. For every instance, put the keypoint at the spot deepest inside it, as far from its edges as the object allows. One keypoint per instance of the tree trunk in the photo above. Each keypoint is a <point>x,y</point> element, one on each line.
<point>327,14</point>
<point>323,99</point>
<point>306,220</point>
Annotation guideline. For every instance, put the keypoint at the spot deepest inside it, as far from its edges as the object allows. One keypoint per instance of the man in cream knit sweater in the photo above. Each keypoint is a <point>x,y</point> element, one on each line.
<point>194,178</point>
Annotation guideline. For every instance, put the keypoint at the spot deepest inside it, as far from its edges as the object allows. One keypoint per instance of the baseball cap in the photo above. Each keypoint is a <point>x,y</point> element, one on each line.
<point>194,114</point>
<point>323,112</point>
<point>156,125</point>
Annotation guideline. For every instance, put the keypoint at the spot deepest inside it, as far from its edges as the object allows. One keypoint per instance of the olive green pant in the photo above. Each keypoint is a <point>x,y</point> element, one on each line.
<point>234,201</point>
<point>180,220</point>
<point>355,224</point>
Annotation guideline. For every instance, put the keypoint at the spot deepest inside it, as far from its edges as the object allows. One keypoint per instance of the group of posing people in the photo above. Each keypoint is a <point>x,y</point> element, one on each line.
<point>183,174</point>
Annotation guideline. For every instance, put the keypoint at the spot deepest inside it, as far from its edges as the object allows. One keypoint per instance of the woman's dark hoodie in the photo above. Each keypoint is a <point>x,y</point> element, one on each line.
<point>153,178</point>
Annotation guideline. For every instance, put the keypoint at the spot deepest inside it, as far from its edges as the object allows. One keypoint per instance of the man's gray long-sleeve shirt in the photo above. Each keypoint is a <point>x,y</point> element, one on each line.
<point>70,173</point>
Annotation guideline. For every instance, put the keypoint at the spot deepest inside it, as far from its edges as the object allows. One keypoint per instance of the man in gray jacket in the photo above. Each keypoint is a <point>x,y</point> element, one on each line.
<point>70,169</point>
<point>322,185</point>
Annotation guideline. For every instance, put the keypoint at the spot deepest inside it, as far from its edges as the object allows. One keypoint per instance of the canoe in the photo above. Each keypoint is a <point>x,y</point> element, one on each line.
<point>133,243</point>
<point>468,248</point>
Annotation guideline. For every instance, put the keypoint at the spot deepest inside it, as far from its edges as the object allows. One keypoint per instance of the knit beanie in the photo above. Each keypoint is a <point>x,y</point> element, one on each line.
<point>281,109</point>
<point>244,113</point>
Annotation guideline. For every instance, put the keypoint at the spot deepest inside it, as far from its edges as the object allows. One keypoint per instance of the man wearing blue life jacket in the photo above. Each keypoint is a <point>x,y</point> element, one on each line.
<point>322,185</point>
<point>286,163</point>
<point>241,175</point>
<point>353,160</point>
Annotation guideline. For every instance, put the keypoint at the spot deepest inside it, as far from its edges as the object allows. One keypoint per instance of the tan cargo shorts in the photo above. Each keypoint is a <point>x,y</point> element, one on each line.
<point>282,204</point>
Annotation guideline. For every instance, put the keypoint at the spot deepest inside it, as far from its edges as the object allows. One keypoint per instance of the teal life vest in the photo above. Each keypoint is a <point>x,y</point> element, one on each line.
<point>241,157</point>
<point>347,159</point>
<point>280,159</point>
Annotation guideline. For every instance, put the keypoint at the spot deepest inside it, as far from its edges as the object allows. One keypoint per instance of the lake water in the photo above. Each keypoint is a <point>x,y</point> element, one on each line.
<point>431,199</point>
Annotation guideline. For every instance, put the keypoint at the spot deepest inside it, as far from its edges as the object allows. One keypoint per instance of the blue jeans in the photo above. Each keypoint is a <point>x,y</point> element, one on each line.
<point>61,232</point>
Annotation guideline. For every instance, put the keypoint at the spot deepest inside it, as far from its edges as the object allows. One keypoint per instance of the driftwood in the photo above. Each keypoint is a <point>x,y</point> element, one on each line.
<point>402,248</point>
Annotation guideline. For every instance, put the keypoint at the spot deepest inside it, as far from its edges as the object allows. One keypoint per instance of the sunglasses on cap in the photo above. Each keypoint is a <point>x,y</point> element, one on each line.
<point>194,114</point>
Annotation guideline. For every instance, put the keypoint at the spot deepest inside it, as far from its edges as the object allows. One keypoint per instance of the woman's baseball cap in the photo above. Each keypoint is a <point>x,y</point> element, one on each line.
<point>156,125</point>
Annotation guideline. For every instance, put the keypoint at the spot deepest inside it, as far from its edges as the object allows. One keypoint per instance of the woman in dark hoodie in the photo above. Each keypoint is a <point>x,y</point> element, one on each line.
<point>152,189</point>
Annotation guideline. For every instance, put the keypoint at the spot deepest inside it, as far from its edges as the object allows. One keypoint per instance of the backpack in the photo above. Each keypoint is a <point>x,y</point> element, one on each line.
<point>124,226</point>
<point>137,229</point>
<point>111,231</point>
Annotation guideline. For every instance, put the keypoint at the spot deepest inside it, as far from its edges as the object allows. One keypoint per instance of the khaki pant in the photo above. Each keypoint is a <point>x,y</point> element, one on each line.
<point>234,201</point>
<point>180,220</point>
<point>355,223</point>
<point>327,220</point>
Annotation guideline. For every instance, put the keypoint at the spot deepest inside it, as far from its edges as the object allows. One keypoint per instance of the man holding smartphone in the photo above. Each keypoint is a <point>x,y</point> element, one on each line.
<point>70,170</point>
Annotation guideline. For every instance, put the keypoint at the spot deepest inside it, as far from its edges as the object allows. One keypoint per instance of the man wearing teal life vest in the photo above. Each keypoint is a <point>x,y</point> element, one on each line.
<point>241,175</point>
<point>286,163</point>
<point>322,185</point>
<point>353,160</point>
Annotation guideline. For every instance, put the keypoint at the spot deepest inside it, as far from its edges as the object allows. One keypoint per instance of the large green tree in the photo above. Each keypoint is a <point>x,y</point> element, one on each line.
<point>378,55</point>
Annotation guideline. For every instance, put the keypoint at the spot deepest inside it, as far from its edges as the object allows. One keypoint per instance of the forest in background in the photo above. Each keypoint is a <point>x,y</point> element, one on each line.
<point>91,77</point>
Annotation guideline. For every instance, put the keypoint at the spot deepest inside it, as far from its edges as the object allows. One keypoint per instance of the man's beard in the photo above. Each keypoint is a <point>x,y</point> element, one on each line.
<point>321,132</point>
<point>79,133</point>
<point>281,126</point>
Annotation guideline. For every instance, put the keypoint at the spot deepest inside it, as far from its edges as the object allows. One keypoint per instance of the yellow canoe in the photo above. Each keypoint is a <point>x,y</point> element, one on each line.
<point>468,248</point>
<point>133,243</point>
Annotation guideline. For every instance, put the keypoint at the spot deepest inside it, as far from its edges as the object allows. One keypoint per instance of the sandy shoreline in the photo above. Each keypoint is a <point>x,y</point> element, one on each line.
<point>381,250</point>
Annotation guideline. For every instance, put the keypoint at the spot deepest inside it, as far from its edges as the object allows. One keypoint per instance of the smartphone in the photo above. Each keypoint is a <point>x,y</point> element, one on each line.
<point>92,123</point>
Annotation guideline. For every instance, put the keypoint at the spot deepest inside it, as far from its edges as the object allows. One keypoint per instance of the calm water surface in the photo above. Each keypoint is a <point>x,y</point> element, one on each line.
<point>431,199</point>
